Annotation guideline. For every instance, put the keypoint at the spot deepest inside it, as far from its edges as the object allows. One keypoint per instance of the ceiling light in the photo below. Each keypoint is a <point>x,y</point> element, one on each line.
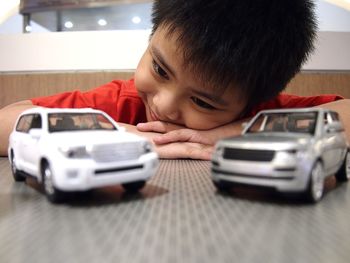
<point>68,24</point>
<point>28,28</point>
<point>136,20</point>
<point>102,22</point>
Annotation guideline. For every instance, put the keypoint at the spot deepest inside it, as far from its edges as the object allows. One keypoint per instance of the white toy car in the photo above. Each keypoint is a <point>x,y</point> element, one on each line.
<point>77,150</point>
<point>291,150</point>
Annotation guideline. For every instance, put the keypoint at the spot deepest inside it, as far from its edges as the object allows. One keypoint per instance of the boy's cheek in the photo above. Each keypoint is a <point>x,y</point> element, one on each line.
<point>143,81</point>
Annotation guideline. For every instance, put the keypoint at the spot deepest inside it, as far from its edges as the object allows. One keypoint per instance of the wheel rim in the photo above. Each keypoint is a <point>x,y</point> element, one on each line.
<point>347,165</point>
<point>317,181</point>
<point>48,184</point>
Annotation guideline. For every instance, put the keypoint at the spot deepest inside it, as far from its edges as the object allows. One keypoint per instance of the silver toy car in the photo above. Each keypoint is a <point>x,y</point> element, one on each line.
<point>290,150</point>
<point>77,150</point>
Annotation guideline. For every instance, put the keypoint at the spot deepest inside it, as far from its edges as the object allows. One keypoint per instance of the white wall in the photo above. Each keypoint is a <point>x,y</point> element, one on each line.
<point>332,17</point>
<point>119,50</point>
<point>332,52</point>
<point>92,50</point>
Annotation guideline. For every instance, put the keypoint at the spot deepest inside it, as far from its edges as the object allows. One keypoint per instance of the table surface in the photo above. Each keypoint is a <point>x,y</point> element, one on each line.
<point>178,217</point>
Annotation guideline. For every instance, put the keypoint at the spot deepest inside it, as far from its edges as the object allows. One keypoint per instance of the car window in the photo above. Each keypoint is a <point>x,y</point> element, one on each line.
<point>24,123</point>
<point>300,122</point>
<point>325,118</point>
<point>78,121</point>
<point>36,122</point>
<point>334,116</point>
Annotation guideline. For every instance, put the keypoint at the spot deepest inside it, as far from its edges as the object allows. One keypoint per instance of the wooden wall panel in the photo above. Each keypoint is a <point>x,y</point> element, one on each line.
<point>15,87</point>
<point>312,83</point>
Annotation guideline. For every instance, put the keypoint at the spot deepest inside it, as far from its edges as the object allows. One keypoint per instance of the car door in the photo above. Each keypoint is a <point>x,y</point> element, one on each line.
<point>339,142</point>
<point>330,142</point>
<point>18,141</point>
<point>31,145</point>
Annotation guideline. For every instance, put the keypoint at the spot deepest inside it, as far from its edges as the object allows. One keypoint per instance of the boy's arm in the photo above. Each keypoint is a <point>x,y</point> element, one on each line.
<point>8,117</point>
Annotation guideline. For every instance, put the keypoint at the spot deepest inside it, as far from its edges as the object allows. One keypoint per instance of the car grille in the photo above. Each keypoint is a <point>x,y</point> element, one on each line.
<point>116,152</point>
<point>248,155</point>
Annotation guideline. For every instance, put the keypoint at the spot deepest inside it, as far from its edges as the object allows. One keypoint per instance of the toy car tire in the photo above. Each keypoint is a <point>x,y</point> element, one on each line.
<point>17,176</point>
<point>134,186</point>
<point>315,189</point>
<point>53,194</point>
<point>223,186</point>
<point>343,174</point>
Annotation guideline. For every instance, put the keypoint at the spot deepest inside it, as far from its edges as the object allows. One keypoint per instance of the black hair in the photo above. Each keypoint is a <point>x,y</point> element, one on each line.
<point>257,45</point>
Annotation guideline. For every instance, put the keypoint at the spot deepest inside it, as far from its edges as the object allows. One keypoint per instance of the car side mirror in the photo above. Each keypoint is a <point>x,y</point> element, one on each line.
<point>334,127</point>
<point>35,133</point>
<point>244,127</point>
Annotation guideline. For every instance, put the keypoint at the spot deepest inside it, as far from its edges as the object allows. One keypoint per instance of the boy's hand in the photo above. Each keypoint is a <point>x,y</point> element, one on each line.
<point>174,133</point>
<point>187,150</point>
<point>174,149</point>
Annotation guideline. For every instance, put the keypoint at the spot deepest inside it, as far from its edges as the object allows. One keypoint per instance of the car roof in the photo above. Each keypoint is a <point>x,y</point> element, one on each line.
<point>59,110</point>
<point>296,110</point>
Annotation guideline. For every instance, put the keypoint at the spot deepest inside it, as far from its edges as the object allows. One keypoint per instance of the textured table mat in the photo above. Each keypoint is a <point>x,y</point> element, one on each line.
<point>178,217</point>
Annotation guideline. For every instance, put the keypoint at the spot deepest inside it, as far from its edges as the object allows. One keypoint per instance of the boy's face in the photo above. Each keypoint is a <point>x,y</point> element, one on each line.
<point>172,93</point>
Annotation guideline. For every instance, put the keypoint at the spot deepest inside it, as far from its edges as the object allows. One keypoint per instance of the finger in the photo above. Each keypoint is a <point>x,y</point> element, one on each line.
<point>185,150</point>
<point>182,135</point>
<point>155,126</point>
<point>173,136</point>
<point>158,126</point>
<point>195,155</point>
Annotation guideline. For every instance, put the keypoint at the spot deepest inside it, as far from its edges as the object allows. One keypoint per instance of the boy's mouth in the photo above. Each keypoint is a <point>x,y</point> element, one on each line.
<point>153,116</point>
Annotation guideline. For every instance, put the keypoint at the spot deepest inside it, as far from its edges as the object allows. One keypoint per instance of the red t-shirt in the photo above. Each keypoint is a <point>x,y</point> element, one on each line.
<point>120,100</point>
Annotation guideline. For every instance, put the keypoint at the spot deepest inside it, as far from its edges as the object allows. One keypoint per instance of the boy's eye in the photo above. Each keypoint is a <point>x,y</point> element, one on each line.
<point>161,72</point>
<point>202,103</point>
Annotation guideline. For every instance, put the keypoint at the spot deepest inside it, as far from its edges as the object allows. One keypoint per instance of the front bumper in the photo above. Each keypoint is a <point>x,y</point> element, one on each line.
<point>284,179</point>
<point>85,174</point>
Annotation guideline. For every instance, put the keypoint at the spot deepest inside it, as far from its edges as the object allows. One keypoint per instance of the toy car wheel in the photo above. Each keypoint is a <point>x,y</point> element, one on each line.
<point>343,174</point>
<point>315,189</point>
<point>134,186</point>
<point>52,193</point>
<point>223,186</point>
<point>16,174</point>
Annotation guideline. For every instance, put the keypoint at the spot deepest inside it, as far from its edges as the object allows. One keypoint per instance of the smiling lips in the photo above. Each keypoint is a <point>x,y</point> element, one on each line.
<point>153,116</point>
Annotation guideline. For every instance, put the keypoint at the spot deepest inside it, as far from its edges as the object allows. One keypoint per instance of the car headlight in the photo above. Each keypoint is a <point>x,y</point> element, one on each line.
<point>78,152</point>
<point>219,151</point>
<point>296,153</point>
<point>286,154</point>
<point>286,158</point>
<point>147,147</point>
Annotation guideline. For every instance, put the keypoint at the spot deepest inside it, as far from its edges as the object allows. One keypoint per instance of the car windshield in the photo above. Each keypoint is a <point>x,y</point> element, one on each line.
<point>299,122</point>
<point>78,121</point>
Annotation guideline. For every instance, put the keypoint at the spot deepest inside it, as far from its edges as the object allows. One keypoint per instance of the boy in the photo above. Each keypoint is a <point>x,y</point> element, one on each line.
<point>209,66</point>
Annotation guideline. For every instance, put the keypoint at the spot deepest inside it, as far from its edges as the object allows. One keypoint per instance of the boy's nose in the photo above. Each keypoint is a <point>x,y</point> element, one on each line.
<point>167,105</point>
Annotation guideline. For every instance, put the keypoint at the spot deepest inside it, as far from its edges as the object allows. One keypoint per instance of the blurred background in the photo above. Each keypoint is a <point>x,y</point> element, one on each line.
<point>17,16</point>
<point>51,46</point>
<point>112,34</point>
<point>30,16</point>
